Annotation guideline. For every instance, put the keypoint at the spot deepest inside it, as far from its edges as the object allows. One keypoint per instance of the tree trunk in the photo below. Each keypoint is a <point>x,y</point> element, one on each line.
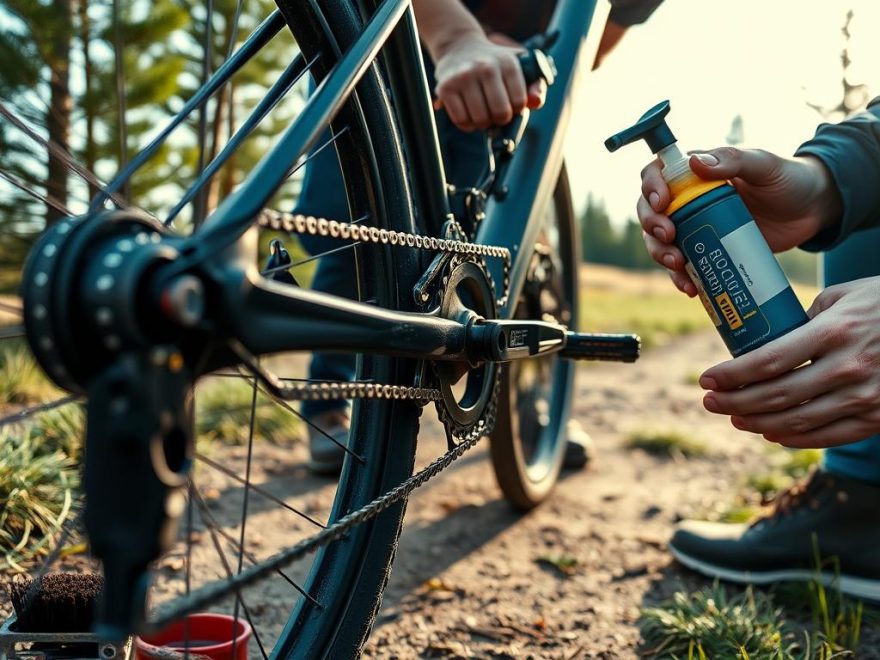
<point>88,103</point>
<point>216,128</point>
<point>60,105</point>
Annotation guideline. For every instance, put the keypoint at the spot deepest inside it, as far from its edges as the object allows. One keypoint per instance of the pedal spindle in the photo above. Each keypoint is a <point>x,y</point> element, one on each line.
<point>608,348</point>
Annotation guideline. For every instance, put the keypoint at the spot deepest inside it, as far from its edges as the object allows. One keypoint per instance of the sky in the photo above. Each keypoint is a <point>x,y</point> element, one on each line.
<point>762,59</point>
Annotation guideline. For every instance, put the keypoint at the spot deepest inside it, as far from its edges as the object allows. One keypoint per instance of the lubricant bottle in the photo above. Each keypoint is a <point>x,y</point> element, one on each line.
<point>737,277</point>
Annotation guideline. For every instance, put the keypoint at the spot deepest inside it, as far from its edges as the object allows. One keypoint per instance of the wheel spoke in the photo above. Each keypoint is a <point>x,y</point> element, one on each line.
<point>312,425</point>
<point>258,489</point>
<point>296,264</point>
<point>29,412</point>
<point>58,151</point>
<point>296,168</point>
<point>289,77</point>
<point>11,331</point>
<point>212,530</point>
<point>47,199</point>
<point>258,38</point>
<point>251,557</point>
<point>246,500</point>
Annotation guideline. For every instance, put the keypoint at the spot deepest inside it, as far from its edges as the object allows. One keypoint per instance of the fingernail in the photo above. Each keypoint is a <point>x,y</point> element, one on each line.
<point>708,383</point>
<point>710,404</point>
<point>738,422</point>
<point>659,233</point>
<point>707,159</point>
<point>669,260</point>
<point>654,200</point>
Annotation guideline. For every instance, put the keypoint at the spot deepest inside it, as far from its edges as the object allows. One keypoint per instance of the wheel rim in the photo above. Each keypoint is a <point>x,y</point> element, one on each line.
<point>539,387</point>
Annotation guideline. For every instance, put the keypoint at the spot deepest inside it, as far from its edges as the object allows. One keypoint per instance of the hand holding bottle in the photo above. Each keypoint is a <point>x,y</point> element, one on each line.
<point>791,200</point>
<point>818,385</point>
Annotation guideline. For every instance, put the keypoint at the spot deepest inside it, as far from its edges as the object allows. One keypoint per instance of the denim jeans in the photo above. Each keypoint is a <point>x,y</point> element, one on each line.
<point>854,259</point>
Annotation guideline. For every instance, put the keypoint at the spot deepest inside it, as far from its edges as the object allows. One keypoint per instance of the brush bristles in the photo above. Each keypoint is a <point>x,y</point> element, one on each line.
<point>59,602</point>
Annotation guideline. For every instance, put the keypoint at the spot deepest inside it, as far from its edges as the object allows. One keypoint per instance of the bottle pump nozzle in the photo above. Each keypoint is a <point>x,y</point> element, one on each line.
<point>652,128</point>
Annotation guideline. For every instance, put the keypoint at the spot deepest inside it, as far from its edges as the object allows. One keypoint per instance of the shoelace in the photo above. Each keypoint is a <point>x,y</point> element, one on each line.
<point>792,498</point>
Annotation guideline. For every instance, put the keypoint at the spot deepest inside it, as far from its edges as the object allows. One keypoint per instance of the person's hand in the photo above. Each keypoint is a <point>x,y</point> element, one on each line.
<point>481,84</point>
<point>817,386</point>
<point>791,200</point>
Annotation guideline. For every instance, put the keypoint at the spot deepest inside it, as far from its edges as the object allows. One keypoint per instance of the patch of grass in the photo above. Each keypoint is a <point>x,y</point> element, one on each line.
<point>738,513</point>
<point>21,380</point>
<point>36,496</point>
<point>656,316</point>
<point>713,624</point>
<point>666,443</point>
<point>61,429</point>
<point>223,409</point>
<point>759,489</point>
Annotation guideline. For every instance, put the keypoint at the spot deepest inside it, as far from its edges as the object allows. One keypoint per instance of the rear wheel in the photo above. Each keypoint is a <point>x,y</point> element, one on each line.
<point>328,607</point>
<point>528,443</point>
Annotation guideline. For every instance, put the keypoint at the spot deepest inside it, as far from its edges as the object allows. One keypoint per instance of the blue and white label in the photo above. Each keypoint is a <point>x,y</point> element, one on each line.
<point>762,275</point>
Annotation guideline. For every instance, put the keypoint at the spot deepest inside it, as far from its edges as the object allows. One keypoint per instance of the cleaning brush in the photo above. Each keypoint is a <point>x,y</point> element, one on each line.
<point>57,602</point>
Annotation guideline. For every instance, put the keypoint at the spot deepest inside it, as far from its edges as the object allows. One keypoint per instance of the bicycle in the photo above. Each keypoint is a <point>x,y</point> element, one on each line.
<point>121,310</point>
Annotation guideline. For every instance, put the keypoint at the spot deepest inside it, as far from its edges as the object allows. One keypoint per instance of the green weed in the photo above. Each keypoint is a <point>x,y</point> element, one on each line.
<point>712,624</point>
<point>21,380</point>
<point>563,563</point>
<point>223,410</point>
<point>666,443</point>
<point>36,496</point>
<point>655,317</point>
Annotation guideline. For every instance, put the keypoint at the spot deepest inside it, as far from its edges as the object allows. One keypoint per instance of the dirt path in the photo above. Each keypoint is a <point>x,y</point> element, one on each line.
<point>467,581</point>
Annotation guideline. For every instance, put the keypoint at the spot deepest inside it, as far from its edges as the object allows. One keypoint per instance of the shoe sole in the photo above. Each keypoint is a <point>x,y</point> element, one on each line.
<point>856,587</point>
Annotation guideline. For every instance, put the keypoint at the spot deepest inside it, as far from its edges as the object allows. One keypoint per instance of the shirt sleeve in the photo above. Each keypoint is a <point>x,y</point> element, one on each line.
<point>851,152</point>
<point>631,12</point>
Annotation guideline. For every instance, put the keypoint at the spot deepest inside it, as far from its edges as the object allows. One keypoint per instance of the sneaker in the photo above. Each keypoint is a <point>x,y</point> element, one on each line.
<point>827,517</point>
<point>578,446</point>
<point>328,434</point>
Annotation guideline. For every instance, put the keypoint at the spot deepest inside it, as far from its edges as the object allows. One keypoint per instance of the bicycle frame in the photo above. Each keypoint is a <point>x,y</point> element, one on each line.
<point>513,223</point>
<point>264,316</point>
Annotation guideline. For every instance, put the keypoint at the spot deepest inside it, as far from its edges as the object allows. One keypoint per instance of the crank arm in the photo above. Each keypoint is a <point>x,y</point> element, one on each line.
<point>503,341</point>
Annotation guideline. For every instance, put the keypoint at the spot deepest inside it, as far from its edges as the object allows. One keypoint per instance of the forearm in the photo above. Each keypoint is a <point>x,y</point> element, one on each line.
<point>443,23</point>
<point>850,153</point>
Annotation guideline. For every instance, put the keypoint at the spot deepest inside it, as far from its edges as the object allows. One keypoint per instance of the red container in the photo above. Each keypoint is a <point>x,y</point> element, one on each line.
<point>211,635</point>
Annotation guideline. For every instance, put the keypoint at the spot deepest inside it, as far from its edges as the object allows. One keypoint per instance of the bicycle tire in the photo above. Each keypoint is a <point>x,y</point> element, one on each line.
<point>356,570</point>
<point>527,468</point>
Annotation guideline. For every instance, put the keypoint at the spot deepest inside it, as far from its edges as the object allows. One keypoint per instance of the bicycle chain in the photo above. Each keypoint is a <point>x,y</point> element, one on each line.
<point>343,390</point>
<point>313,226</point>
<point>467,439</point>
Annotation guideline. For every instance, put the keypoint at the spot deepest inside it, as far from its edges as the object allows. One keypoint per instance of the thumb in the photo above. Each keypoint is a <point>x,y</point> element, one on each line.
<point>750,165</point>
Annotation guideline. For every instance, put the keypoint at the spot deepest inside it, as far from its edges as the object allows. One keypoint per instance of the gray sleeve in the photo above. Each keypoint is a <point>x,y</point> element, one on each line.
<point>851,152</point>
<point>631,12</point>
